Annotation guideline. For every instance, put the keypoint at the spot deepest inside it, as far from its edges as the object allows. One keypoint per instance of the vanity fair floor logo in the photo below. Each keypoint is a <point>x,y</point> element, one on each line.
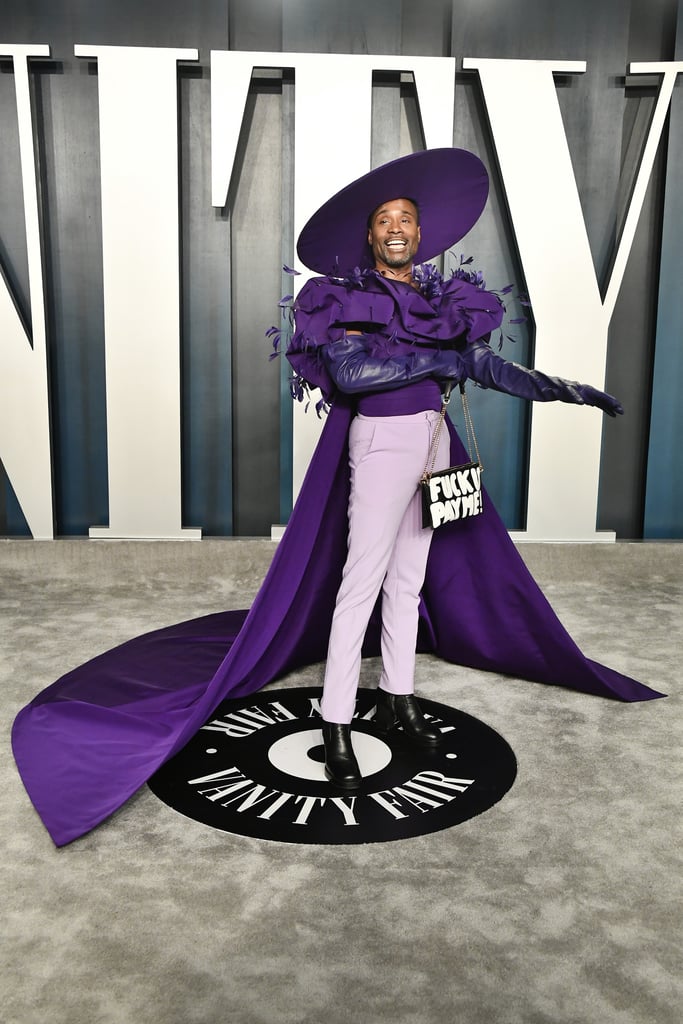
<point>256,769</point>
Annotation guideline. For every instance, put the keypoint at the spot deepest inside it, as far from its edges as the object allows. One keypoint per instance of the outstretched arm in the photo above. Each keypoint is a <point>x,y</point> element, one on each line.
<point>354,370</point>
<point>490,371</point>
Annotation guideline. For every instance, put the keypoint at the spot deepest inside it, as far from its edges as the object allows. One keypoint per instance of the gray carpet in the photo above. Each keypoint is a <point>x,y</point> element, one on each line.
<point>560,905</point>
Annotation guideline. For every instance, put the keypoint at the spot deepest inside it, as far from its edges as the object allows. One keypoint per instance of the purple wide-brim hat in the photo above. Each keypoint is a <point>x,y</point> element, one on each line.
<point>449,185</point>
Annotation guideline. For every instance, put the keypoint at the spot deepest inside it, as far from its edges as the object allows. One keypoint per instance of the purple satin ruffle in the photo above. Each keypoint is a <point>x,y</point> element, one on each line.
<point>391,312</point>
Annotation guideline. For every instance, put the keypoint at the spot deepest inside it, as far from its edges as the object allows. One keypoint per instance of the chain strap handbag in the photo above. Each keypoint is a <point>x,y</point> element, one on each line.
<point>455,493</point>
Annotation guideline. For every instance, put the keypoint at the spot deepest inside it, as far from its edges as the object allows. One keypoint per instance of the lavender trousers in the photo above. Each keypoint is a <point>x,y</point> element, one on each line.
<point>387,550</point>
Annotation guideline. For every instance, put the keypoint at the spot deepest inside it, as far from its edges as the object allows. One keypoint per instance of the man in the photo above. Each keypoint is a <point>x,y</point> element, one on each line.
<point>392,334</point>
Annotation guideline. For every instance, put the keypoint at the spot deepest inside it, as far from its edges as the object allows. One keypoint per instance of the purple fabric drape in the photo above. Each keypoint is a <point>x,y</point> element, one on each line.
<point>89,741</point>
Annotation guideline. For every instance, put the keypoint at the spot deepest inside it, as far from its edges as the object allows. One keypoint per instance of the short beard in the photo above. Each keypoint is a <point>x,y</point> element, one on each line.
<point>395,260</point>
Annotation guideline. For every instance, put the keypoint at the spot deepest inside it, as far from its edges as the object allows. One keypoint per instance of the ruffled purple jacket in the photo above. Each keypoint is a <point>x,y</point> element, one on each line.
<point>393,316</point>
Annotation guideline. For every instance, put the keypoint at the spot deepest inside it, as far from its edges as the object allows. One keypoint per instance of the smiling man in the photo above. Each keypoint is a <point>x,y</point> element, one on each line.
<point>394,236</point>
<point>387,335</point>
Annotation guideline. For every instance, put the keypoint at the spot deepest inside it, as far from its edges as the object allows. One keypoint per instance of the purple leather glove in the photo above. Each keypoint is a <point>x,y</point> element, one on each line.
<point>490,371</point>
<point>354,370</point>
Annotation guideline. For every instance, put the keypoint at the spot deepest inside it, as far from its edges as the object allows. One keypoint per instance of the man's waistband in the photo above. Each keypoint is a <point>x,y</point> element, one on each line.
<point>422,396</point>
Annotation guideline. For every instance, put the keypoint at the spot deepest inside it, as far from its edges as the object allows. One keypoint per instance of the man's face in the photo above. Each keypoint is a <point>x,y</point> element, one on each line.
<point>394,234</point>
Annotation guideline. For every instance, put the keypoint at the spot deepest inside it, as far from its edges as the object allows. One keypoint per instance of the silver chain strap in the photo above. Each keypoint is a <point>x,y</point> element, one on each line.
<point>470,436</point>
<point>469,428</point>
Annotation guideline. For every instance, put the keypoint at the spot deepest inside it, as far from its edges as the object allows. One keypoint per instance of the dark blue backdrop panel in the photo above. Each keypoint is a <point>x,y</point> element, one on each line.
<point>632,330</point>
<point>13,256</point>
<point>256,283</point>
<point>66,126</point>
<point>664,496</point>
<point>502,423</point>
<point>206,335</point>
<point>287,258</point>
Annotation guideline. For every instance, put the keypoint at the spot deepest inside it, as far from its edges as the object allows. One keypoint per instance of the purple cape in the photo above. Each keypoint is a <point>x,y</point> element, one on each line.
<point>89,741</point>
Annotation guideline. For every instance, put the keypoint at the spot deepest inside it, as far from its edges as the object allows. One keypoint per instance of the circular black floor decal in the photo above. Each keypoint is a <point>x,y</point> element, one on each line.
<point>256,769</point>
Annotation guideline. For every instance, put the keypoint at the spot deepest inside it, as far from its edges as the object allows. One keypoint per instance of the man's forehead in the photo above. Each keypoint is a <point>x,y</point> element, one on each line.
<point>405,206</point>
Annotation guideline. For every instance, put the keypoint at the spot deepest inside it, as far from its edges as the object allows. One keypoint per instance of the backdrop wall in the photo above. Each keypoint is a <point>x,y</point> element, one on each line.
<point>236,419</point>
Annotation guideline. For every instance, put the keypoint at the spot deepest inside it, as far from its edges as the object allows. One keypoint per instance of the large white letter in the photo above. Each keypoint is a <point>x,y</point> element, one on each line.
<point>24,409</point>
<point>138,108</point>
<point>331,141</point>
<point>571,320</point>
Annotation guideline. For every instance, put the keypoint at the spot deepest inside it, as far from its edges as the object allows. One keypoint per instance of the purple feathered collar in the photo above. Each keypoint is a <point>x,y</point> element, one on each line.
<point>426,275</point>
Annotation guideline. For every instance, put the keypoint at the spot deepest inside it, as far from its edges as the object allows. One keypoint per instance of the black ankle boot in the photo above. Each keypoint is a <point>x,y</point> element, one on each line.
<point>394,710</point>
<point>341,767</point>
